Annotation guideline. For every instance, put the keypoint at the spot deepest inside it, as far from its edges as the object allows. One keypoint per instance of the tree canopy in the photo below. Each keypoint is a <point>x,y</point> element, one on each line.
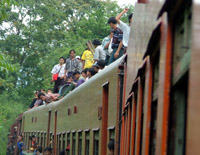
<point>38,32</point>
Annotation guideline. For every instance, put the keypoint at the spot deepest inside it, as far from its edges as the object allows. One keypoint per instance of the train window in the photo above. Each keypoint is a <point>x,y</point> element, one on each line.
<point>155,70</point>
<point>96,142</point>
<point>142,111</point>
<point>111,134</point>
<point>38,137</point>
<point>152,144</point>
<point>87,143</point>
<point>74,143</point>
<point>59,142</point>
<point>177,128</point>
<point>80,143</point>
<point>179,88</point>
<point>42,138</point>
<point>45,136</point>
<point>63,142</point>
<point>182,42</point>
<point>52,144</point>
<point>68,141</point>
<point>51,140</point>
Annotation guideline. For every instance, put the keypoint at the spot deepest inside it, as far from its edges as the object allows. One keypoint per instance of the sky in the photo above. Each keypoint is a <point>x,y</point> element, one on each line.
<point>121,2</point>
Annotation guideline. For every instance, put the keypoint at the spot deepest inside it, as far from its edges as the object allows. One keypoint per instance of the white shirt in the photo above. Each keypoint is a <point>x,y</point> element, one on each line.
<point>99,53</point>
<point>126,31</point>
<point>56,69</point>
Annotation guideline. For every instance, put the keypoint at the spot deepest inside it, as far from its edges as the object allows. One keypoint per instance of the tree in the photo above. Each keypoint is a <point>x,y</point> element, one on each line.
<point>39,32</point>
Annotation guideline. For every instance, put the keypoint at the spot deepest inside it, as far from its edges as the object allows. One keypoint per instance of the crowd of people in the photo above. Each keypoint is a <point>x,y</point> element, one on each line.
<point>70,73</point>
<point>36,149</point>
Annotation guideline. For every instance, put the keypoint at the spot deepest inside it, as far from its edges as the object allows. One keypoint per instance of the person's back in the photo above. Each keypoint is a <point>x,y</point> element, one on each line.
<point>99,52</point>
<point>87,57</point>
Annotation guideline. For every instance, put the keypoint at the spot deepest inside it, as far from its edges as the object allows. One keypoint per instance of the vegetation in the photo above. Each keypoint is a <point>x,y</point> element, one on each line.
<point>38,32</point>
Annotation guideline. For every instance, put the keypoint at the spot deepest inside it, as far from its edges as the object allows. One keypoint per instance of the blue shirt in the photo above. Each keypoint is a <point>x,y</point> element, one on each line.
<point>20,145</point>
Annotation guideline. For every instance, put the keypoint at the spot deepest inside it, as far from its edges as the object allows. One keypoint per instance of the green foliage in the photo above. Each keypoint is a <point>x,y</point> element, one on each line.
<point>39,32</point>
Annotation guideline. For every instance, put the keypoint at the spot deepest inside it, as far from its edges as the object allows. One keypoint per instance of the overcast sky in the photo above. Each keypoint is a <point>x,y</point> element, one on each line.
<point>121,2</point>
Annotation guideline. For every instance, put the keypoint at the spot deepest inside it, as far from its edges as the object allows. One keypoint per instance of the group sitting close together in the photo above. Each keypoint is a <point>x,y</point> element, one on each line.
<point>36,149</point>
<point>70,73</point>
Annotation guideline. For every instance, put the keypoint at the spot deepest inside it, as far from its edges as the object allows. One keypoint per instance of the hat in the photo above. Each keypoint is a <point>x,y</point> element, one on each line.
<point>78,57</point>
<point>96,42</point>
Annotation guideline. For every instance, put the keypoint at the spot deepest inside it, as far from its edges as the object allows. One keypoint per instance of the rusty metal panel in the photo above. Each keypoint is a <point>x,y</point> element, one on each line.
<point>144,21</point>
<point>193,110</point>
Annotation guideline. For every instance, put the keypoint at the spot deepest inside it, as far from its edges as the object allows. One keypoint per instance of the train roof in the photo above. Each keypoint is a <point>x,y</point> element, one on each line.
<point>93,79</point>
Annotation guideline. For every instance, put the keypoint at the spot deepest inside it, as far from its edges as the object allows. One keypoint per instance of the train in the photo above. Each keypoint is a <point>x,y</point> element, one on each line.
<point>147,101</point>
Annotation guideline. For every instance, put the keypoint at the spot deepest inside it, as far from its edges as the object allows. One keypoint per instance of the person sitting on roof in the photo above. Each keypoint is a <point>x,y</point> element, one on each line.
<point>48,98</point>
<point>34,99</point>
<point>99,53</point>
<point>107,45</point>
<point>78,79</point>
<point>99,65</point>
<point>90,72</point>
<point>124,27</point>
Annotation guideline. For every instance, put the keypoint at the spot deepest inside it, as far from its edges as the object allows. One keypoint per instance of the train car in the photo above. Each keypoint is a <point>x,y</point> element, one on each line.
<point>146,101</point>
<point>85,118</point>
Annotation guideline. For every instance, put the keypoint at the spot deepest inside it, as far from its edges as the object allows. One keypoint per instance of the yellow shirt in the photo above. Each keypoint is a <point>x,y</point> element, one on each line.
<point>88,57</point>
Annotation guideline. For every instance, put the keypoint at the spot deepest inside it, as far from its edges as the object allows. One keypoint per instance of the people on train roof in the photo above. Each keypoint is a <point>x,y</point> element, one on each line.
<point>72,64</point>
<point>87,58</point>
<point>59,72</point>
<point>117,44</point>
<point>124,27</point>
<point>80,63</point>
<point>34,99</point>
<point>106,44</point>
<point>48,98</point>
<point>99,65</point>
<point>99,53</point>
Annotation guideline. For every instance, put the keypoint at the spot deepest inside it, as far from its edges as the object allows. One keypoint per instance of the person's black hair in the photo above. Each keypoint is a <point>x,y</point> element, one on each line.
<point>62,153</point>
<point>62,58</point>
<point>31,137</point>
<point>49,89</point>
<point>101,63</point>
<point>129,17</point>
<point>92,71</point>
<point>76,72</point>
<point>112,20</point>
<point>111,145</point>
<point>48,149</point>
<point>96,42</point>
<point>71,51</point>
<point>21,136</point>
<point>39,149</point>
<point>42,89</point>
<point>41,94</point>
<point>85,70</point>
